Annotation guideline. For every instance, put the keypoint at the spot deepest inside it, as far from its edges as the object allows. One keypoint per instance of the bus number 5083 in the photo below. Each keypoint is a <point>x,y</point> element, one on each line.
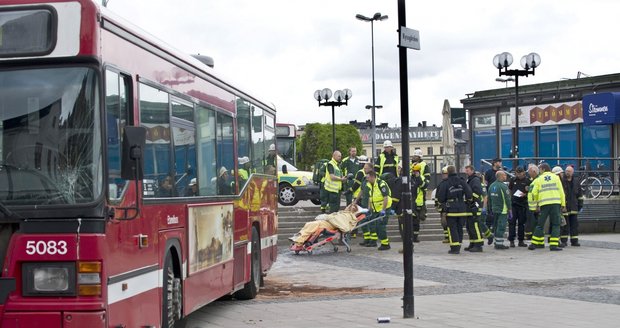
<point>51,247</point>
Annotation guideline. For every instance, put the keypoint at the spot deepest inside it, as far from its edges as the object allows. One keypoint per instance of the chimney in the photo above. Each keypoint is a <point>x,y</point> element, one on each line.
<point>423,124</point>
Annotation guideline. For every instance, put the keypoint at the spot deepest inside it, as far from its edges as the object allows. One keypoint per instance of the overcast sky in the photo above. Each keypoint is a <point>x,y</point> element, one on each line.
<point>284,50</point>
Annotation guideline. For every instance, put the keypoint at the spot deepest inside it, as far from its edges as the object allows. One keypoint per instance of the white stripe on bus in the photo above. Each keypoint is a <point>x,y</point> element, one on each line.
<point>135,286</point>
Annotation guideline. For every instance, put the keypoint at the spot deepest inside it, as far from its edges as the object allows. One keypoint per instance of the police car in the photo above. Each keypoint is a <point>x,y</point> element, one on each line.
<point>295,185</point>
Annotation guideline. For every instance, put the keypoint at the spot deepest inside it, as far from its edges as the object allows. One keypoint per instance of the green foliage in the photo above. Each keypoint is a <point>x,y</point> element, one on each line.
<point>316,142</point>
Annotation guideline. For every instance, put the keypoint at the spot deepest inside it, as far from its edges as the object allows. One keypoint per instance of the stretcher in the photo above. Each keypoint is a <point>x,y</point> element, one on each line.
<point>333,237</point>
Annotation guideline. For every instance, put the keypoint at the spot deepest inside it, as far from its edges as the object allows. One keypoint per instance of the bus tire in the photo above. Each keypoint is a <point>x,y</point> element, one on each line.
<point>172,296</point>
<point>250,289</point>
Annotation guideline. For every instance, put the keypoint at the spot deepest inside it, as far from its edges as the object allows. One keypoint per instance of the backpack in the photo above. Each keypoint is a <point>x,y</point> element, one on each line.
<point>319,170</point>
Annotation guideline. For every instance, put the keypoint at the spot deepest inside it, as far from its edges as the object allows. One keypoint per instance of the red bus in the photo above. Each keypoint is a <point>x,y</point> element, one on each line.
<point>132,190</point>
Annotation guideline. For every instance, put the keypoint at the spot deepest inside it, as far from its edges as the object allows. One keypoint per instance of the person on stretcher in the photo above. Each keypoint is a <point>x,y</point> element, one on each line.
<point>342,221</point>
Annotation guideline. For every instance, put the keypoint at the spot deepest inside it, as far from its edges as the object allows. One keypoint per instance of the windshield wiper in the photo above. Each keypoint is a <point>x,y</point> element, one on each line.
<point>8,214</point>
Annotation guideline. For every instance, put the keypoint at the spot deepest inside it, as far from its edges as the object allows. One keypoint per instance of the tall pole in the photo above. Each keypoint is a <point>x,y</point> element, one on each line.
<point>408,308</point>
<point>372,47</point>
<point>333,130</point>
<point>515,133</point>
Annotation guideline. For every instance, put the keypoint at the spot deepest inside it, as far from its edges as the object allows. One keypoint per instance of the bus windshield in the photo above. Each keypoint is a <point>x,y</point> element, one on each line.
<point>50,136</point>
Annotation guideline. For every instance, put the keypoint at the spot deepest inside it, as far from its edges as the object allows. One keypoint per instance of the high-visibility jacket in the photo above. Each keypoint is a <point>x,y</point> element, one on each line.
<point>421,189</point>
<point>356,188</point>
<point>425,174</point>
<point>387,167</point>
<point>547,190</point>
<point>332,185</point>
<point>530,199</point>
<point>377,192</point>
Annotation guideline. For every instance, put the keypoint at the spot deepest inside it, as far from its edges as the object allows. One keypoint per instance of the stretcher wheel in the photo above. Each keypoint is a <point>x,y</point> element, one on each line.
<point>348,249</point>
<point>296,252</point>
<point>335,249</point>
<point>310,252</point>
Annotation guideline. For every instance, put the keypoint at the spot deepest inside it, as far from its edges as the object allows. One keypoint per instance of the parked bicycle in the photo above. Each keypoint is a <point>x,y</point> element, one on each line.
<point>595,184</point>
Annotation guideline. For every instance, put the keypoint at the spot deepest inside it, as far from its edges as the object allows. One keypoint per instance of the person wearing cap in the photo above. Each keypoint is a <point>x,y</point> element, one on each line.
<point>456,198</point>
<point>333,182</point>
<point>518,189</point>
<point>440,208</point>
<point>547,197</point>
<point>349,166</point>
<point>387,162</point>
<point>192,189</point>
<point>425,174</point>
<point>361,197</point>
<point>476,228</point>
<point>224,185</point>
<point>501,205</point>
<point>574,204</point>
<point>270,160</point>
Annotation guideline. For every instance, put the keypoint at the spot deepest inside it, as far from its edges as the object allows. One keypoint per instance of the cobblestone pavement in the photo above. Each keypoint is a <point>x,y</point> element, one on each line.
<point>578,287</point>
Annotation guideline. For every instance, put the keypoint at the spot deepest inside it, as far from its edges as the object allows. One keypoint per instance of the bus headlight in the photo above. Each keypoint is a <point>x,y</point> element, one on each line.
<point>53,278</point>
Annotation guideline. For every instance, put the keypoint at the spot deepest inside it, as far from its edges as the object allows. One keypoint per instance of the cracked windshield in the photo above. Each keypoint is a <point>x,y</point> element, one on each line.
<point>50,146</point>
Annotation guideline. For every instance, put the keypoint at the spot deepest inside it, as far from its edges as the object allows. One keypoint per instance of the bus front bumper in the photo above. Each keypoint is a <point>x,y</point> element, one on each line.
<point>54,319</point>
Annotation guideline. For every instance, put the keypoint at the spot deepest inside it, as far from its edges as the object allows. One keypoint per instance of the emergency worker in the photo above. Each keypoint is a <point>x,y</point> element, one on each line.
<point>385,166</point>
<point>425,174</point>
<point>500,204</point>
<point>379,202</point>
<point>419,208</point>
<point>349,166</point>
<point>333,182</point>
<point>271,158</point>
<point>532,216</point>
<point>397,205</point>
<point>439,207</point>
<point>361,198</point>
<point>518,190</point>
<point>475,228</point>
<point>456,198</point>
<point>547,197</point>
<point>574,204</point>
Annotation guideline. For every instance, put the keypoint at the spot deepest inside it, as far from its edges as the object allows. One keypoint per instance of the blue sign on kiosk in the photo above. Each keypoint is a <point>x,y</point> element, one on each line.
<point>601,108</point>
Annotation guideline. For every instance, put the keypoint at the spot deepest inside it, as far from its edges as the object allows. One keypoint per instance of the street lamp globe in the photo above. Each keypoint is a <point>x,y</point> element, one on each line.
<point>317,95</point>
<point>338,95</point>
<point>326,94</point>
<point>530,61</point>
<point>348,94</point>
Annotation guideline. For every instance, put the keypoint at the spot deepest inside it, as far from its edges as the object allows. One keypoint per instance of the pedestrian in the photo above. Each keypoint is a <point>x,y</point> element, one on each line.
<point>574,204</point>
<point>333,182</point>
<point>547,195</point>
<point>456,198</point>
<point>489,177</point>
<point>476,228</point>
<point>385,166</point>
<point>361,198</point>
<point>380,203</point>
<point>500,204</point>
<point>349,166</point>
<point>518,190</point>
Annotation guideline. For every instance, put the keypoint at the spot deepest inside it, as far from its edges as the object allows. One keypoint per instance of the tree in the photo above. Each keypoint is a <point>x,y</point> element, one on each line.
<point>316,142</point>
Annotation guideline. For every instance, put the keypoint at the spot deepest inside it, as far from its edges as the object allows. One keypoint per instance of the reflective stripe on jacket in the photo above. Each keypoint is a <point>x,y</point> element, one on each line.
<point>332,185</point>
<point>546,190</point>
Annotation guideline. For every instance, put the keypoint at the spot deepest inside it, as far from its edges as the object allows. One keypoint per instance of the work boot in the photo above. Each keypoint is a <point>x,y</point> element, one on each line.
<point>522,244</point>
<point>455,250</point>
<point>575,243</point>
<point>371,243</point>
<point>476,249</point>
<point>501,246</point>
<point>563,244</point>
<point>469,247</point>
<point>364,242</point>
<point>490,240</point>
<point>555,248</point>
<point>512,243</point>
<point>384,247</point>
<point>531,247</point>
<point>416,238</point>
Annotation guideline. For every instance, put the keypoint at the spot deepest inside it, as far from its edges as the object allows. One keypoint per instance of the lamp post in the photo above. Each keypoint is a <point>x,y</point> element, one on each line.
<point>373,129</point>
<point>341,97</point>
<point>529,63</point>
<point>375,17</point>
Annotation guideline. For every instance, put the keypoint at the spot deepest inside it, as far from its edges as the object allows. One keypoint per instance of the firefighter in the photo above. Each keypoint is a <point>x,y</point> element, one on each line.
<point>420,183</point>
<point>500,204</point>
<point>532,216</point>
<point>385,166</point>
<point>361,197</point>
<point>547,197</point>
<point>574,204</point>
<point>426,177</point>
<point>518,190</point>
<point>416,183</point>
<point>476,229</point>
<point>379,202</point>
<point>333,182</point>
<point>349,166</point>
<point>439,206</point>
<point>456,197</point>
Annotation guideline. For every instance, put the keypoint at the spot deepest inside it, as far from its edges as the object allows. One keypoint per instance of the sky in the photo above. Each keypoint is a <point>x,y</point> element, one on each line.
<point>283,50</point>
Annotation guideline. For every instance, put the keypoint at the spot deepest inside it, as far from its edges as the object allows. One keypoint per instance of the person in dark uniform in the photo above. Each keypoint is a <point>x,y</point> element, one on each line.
<point>574,204</point>
<point>518,190</point>
<point>456,198</point>
<point>349,166</point>
<point>386,164</point>
<point>489,178</point>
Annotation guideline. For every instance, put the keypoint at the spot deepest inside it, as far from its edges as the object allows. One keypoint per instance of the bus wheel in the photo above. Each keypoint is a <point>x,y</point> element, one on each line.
<point>250,289</point>
<point>172,295</point>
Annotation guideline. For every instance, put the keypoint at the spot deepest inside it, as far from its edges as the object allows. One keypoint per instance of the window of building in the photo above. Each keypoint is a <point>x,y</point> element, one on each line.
<point>505,143</point>
<point>548,144</point>
<point>429,151</point>
<point>567,144</point>
<point>596,142</point>
<point>484,144</point>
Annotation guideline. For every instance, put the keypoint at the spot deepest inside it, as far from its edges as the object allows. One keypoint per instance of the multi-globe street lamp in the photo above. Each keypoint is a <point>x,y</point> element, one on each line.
<point>529,63</point>
<point>375,17</point>
<point>341,97</point>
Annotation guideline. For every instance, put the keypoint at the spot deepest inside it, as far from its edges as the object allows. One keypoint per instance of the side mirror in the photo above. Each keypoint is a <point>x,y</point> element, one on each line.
<point>284,169</point>
<point>134,141</point>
